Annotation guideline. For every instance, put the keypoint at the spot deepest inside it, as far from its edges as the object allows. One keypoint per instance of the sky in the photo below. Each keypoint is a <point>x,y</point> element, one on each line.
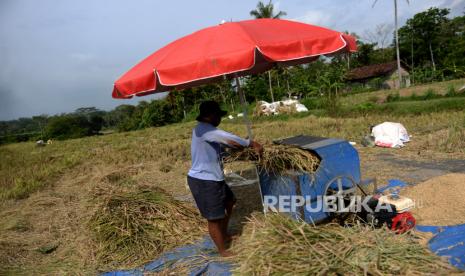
<point>59,55</point>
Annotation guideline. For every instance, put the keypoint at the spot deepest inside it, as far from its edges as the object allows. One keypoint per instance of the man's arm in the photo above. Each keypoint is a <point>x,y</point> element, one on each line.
<point>231,140</point>
<point>226,138</point>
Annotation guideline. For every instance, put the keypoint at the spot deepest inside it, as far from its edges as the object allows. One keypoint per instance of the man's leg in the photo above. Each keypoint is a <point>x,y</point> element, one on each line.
<point>215,228</point>
<point>225,221</point>
<point>211,205</point>
<point>228,205</point>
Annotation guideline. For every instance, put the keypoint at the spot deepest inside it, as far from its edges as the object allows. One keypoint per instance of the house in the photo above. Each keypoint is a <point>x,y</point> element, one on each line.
<point>382,75</point>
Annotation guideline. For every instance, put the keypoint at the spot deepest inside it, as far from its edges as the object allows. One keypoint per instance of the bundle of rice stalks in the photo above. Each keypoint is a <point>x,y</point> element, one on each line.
<point>281,246</point>
<point>131,228</point>
<point>278,159</point>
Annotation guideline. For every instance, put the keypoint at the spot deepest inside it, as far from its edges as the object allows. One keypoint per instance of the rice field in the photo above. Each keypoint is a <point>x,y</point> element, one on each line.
<point>53,198</point>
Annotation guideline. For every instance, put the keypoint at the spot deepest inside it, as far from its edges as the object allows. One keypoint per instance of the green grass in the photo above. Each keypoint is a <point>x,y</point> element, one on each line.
<point>408,107</point>
<point>396,107</point>
<point>440,88</point>
<point>26,168</point>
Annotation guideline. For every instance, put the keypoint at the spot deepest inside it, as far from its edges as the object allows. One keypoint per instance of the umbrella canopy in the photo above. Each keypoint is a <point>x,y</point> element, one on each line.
<point>232,49</point>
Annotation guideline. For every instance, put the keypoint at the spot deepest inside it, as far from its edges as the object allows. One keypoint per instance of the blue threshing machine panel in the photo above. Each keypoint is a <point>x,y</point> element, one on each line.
<point>337,159</point>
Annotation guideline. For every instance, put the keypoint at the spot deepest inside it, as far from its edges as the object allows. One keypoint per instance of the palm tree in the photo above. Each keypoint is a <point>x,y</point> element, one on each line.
<point>399,75</point>
<point>267,11</point>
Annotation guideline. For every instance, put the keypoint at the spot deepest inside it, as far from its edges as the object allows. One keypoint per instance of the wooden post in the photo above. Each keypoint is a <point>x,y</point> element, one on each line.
<point>271,88</point>
<point>399,74</point>
<point>244,107</point>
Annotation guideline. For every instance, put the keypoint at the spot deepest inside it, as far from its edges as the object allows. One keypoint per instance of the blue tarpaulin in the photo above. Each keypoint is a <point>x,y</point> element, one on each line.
<point>198,258</point>
<point>448,241</point>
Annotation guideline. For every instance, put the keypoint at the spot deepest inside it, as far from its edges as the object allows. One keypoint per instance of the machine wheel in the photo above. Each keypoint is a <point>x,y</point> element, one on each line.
<point>343,188</point>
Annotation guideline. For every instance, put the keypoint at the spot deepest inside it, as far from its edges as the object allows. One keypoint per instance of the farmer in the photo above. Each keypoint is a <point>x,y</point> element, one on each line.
<point>212,195</point>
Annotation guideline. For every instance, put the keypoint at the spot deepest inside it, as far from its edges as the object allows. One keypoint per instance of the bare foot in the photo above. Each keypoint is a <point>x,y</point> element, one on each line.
<point>226,253</point>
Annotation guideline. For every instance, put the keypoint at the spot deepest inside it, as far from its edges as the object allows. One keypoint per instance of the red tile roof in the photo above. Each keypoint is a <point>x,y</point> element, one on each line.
<point>371,71</point>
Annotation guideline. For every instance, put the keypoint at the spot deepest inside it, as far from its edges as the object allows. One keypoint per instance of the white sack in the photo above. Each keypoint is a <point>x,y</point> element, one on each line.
<point>390,135</point>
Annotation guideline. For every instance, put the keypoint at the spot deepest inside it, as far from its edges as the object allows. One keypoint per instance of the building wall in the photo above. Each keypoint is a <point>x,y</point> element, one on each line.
<point>393,77</point>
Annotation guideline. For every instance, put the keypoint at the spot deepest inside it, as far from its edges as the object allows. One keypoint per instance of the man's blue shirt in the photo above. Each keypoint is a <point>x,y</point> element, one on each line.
<point>206,145</point>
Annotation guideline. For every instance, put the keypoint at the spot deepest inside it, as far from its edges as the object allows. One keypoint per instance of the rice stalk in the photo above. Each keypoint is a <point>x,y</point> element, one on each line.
<point>278,245</point>
<point>131,228</point>
<point>278,159</point>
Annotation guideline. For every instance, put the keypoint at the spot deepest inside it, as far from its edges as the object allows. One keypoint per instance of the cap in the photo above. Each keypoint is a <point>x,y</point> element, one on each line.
<point>210,108</point>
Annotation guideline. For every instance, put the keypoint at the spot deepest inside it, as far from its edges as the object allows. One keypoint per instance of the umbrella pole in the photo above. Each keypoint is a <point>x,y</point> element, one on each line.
<point>244,107</point>
<point>249,133</point>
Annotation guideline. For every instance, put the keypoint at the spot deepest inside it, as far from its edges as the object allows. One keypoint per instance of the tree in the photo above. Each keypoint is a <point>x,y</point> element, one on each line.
<point>68,127</point>
<point>368,53</point>
<point>157,113</point>
<point>255,88</point>
<point>330,81</point>
<point>453,35</point>
<point>87,110</point>
<point>426,28</point>
<point>96,123</point>
<point>41,121</point>
<point>267,11</point>
<point>379,35</point>
<point>434,44</point>
<point>133,121</point>
<point>119,114</point>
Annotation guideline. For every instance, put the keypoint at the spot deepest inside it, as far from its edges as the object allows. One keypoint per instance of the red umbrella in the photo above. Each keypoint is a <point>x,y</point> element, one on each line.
<point>231,49</point>
<point>241,48</point>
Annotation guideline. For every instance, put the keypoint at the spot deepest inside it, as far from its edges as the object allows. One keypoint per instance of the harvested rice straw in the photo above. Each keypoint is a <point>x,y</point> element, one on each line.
<point>133,227</point>
<point>278,245</point>
<point>278,159</point>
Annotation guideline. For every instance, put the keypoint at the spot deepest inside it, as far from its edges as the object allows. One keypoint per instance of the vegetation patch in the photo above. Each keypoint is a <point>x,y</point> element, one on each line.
<point>26,168</point>
<point>12,253</point>
<point>133,227</point>
<point>278,245</point>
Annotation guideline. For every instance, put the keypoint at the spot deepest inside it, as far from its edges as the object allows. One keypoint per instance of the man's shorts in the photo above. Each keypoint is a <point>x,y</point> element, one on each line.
<point>211,197</point>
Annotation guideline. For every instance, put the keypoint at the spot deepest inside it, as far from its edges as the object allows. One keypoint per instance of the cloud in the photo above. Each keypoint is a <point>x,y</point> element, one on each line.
<point>455,4</point>
<point>457,7</point>
<point>315,17</point>
<point>60,55</point>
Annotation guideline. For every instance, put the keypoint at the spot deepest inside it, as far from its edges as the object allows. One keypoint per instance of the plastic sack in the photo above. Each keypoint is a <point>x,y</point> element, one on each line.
<point>301,108</point>
<point>390,135</point>
<point>287,106</point>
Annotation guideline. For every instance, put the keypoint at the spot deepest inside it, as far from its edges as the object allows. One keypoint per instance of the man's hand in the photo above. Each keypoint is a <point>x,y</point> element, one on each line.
<point>235,145</point>
<point>257,147</point>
